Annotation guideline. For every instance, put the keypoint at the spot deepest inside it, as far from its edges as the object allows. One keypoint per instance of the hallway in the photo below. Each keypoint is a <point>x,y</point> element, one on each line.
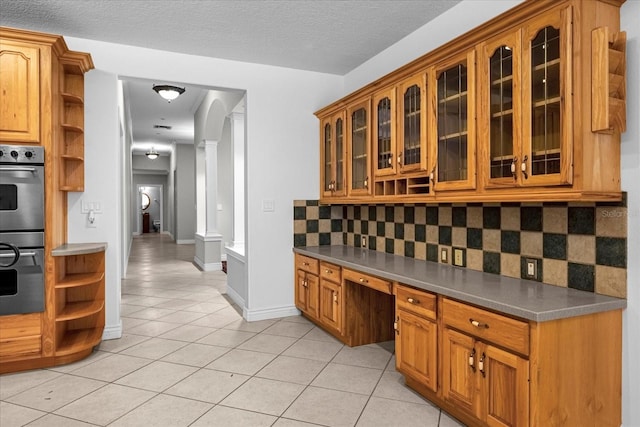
<point>187,358</point>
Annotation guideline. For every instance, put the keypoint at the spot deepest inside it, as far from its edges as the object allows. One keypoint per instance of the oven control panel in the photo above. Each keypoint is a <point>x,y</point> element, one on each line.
<point>21,154</point>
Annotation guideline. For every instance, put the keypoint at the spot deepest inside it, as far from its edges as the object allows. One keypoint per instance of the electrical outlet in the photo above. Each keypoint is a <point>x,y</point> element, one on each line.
<point>444,255</point>
<point>458,257</point>
<point>531,271</point>
<point>364,241</point>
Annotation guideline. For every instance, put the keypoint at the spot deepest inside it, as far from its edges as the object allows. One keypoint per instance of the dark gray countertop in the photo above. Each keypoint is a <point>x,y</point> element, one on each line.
<point>522,298</point>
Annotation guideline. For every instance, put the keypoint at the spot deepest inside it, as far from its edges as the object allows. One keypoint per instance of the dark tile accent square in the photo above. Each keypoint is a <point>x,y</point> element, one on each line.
<point>398,231</point>
<point>432,252</point>
<point>409,215</point>
<point>372,243</point>
<point>510,204</point>
<point>531,218</point>
<point>581,276</point>
<point>372,213</point>
<point>312,226</point>
<point>491,262</point>
<point>299,212</point>
<point>336,225</point>
<point>380,228</point>
<point>420,233</point>
<point>582,220</point>
<point>324,239</point>
<point>364,227</point>
<point>555,204</point>
<point>357,241</point>
<point>389,213</point>
<point>474,238</point>
<point>510,241</point>
<point>356,212</point>
<point>324,212</point>
<point>611,251</point>
<point>389,246</point>
<point>349,226</point>
<point>299,240</point>
<point>554,246</point>
<point>432,215</point>
<point>523,268</point>
<point>459,216</point>
<point>491,217</point>
<point>345,211</point>
<point>312,203</point>
<point>444,235</point>
<point>409,249</point>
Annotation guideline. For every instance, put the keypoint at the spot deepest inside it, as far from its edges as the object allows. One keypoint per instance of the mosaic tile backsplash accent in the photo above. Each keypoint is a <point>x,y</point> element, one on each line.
<point>579,245</point>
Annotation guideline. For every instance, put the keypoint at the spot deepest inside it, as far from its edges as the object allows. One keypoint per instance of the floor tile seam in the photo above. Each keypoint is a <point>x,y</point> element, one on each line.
<point>36,385</point>
<point>53,411</point>
<point>369,398</point>
<point>166,391</point>
<point>131,410</point>
<point>302,421</point>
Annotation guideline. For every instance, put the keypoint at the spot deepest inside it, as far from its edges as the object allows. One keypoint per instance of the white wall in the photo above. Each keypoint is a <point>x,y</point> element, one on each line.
<point>467,15</point>
<point>225,185</point>
<point>185,196</point>
<point>103,183</point>
<point>631,183</point>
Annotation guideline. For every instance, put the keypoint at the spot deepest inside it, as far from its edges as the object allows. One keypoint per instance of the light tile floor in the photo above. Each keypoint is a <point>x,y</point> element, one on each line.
<point>187,358</point>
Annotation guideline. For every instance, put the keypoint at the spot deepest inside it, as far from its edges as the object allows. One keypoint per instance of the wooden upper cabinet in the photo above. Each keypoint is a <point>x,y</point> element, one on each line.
<point>500,110</point>
<point>19,92</point>
<point>547,101</point>
<point>359,147</point>
<point>412,124</point>
<point>333,153</point>
<point>453,124</point>
<point>384,132</point>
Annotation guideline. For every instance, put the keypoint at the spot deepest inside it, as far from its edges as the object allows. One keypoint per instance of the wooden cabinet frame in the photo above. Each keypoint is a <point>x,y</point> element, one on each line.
<point>390,95</point>
<point>333,183</point>
<point>364,159</point>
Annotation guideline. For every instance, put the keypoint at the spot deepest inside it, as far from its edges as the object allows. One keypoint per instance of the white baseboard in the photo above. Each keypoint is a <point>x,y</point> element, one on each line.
<point>112,332</point>
<point>235,297</point>
<point>186,242</point>
<point>211,266</point>
<point>270,313</point>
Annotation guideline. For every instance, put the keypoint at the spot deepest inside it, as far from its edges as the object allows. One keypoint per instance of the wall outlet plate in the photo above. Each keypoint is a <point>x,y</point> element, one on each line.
<point>444,255</point>
<point>459,257</point>
<point>531,268</point>
<point>364,241</point>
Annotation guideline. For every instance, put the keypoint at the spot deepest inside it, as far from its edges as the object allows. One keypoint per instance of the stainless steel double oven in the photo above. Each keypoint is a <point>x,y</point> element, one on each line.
<point>21,229</point>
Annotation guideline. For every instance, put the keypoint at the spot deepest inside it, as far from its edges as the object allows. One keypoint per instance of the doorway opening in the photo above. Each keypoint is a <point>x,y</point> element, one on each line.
<point>150,208</point>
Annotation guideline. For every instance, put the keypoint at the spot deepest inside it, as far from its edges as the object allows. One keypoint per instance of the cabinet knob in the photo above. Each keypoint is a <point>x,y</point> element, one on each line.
<point>472,363</point>
<point>481,364</point>
<point>479,324</point>
<point>362,280</point>
<point>514,167</point>
<point>413,301</point>
<point>306,264</point>
<point>523,167</point>
<point>400,158</point>
<point>328,271</point>
<point>366,182</point>
<point>432,175</point>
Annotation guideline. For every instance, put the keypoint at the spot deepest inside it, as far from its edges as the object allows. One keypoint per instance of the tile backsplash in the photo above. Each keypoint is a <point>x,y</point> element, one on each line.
<point>579,245</point>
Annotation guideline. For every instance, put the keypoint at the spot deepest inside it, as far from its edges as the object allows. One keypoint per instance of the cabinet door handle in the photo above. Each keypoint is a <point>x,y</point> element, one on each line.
<point>481,365</point>
<point>413,301</point>
<point>362,280</point>
<point>432,175</point>
<point>472,363</point>
<point>400,158</point>
<point>478,324</point>
<point>366,182</point>
<point>335,297</point>
<point>513,167</point>
<point>523,167</point>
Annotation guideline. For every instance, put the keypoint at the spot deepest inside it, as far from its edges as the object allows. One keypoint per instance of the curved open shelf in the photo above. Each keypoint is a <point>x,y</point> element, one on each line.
<point>78,310</point>
<point>79,279</point>
<point>78,340</point>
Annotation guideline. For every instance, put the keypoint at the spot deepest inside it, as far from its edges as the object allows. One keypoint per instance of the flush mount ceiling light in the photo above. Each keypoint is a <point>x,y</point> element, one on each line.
<point>152,154</point>
<point>168,92</point>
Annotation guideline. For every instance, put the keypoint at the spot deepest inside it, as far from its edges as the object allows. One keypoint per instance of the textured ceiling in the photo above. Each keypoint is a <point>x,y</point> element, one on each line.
<point>332,36</point>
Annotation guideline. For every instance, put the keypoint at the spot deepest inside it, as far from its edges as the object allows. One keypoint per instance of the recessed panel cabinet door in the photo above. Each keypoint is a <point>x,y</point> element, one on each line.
<point>459,359</point>
<point>547,106</point>
<point>331,304</point>
<point>416,348</point>
<point>359,148</point>
<point>384,133</point>
<point>19,92</point>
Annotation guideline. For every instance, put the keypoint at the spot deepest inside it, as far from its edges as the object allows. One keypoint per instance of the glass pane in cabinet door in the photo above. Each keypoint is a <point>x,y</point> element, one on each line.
<point>545,108</point>
<point>452,124</point>
<point>501,108</point>
<point>359,148</point>
<point>411,116</point>
<point>384,134</point>
<point>339,184</point>
<point>328,175</point>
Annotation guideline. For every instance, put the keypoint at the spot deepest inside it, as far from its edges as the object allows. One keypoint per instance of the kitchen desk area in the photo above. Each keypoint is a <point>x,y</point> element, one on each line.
<point>489,349</point>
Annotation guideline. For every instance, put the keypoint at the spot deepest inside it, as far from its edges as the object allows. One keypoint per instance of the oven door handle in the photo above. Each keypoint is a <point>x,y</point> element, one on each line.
<point>15,256</point>
<point>18,169</point>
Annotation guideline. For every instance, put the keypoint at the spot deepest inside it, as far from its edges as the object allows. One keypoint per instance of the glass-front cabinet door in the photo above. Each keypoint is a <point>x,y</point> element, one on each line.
<point>384,132</point>
<point>499,110</point>
<point>453,124</point>
<point>412,120</point>
<point>547,100</point>
<point>333,154</point>
<point>358,144</point>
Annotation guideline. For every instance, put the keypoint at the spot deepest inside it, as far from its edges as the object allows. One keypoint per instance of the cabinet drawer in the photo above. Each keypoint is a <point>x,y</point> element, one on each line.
<point>330,272</point>
<point>372,282</point>
<point>418,302</point>
<point>491,327</point>
<point>307,264</point>
<point>23,346</point>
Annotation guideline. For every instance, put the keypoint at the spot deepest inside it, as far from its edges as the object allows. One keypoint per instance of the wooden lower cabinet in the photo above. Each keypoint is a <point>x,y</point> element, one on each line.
<point>307,293</point>
<point>331,304</point>
<point>417,348</point>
